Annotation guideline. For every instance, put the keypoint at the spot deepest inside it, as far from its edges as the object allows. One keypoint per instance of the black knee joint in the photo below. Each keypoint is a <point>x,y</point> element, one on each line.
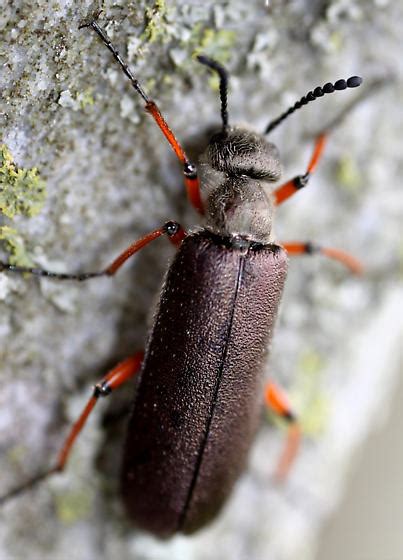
<point>189,170</point>
<point>290,417</point>
<point>171,228</point>
<point>102,390</point>
<point>301,180</point>
<point>311,248</point>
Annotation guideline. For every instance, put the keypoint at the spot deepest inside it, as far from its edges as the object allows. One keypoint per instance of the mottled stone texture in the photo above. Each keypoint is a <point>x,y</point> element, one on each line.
<point>66,110</point>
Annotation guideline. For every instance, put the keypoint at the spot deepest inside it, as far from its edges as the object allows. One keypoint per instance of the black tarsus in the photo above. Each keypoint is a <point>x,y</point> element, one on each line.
<point>352,82</point>
<point>49,274</point>
<point>223,75</point>
<point>27,485</point>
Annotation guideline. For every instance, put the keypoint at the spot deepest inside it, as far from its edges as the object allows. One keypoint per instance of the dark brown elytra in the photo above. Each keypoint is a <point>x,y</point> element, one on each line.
<point>181,461</point>
<point>200,393</point>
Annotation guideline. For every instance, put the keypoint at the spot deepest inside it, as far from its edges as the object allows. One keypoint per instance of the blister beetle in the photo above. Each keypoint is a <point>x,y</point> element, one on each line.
<point>199,397</point>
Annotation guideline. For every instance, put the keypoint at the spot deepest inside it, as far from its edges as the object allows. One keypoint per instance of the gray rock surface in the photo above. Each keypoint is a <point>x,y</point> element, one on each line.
<point>66,110</point>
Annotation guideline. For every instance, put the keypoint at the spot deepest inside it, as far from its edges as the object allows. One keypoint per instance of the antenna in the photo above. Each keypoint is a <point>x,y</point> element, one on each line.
<point>352,82</point>
<point>107,42</point>
<point>223,75</point>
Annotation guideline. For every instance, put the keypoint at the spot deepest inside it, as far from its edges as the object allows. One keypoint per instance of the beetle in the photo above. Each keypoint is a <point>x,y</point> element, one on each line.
<point>199,397</point>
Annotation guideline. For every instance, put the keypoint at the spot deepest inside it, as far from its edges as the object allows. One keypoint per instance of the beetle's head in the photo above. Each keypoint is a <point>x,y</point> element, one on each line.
<point>234,170</point>
<point>242,153</point>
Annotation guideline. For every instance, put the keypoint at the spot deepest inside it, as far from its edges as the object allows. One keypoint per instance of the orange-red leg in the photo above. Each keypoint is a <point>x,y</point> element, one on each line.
<point>173,230</point>
<point>116,377</point>
<point>309,248</point>
<point>191,178</point>
<point>283,192</point>
<point>277,401</point>
<point>189,169</point>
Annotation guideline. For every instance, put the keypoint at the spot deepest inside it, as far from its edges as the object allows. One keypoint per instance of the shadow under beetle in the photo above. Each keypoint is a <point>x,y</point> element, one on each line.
<point>198,402</point>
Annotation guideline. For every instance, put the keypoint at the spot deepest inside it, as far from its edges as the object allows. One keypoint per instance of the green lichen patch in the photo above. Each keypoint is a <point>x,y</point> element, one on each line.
<point>16,455</point>
<point>85,98</point>
<point>336,41</point>
<point>22,191</point>
<point>313,404</point>
<point>15,246</point>
<point>77,101</point>
<point>307,398</point>
<point>216,44</point>
<point>154,17</point>
<point>73,506</point>
<point>348,174</point>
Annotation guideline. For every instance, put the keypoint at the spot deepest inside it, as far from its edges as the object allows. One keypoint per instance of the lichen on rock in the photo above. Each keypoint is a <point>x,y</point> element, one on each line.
<point>22,191</point>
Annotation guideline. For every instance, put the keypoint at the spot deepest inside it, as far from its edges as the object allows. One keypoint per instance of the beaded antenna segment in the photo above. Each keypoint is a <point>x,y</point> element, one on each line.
<point>352,82</point>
